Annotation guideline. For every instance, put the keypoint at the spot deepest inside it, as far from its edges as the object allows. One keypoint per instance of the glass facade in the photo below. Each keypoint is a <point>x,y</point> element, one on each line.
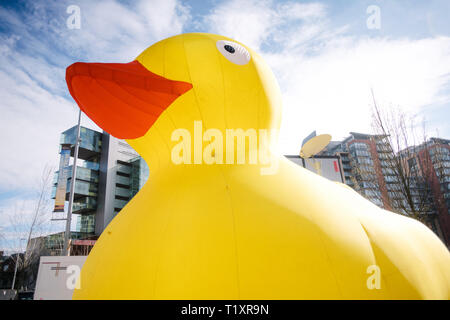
<point>55,242</point>
<point>440,157</point>
<point>363,172</point>
<point>84,188</point>
<point>90,139</point>
<point>87,176</point>
<point>85,204</point>
<point>86,223</point>
<point>139,174</point>
<point>130,178</point>
<point>127,178</point>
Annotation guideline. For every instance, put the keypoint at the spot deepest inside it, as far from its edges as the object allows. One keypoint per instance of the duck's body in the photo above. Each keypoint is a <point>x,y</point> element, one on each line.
<point>234,234</point>
<point>226,231</point>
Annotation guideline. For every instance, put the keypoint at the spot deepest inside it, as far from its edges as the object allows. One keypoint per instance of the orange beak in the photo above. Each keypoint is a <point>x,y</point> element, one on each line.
<point>124,99</point>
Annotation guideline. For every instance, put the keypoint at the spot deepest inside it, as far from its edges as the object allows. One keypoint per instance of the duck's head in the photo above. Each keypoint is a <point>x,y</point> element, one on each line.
<point>179,80</point>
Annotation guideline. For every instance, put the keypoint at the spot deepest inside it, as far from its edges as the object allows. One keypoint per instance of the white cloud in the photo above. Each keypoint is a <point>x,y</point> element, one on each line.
<point>331,91</point>
<point>248,22</point>
<point>113,32</point>
<point>34,104</point>
<point>254,22</point>
<point>32,119</point>
<point>326,75</point>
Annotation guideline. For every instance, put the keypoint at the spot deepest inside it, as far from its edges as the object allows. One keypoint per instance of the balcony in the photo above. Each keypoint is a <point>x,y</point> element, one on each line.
<point>84,174</point>
<point>86,183</point>
<point>84,205</point>
<point>82,188</point>
<point>346,167</point>
<point>119,204</point>
<point>388,171</point>
<point>122,180</point>
<point>359,146</point>
<point>123,168</point>
<point>88,171</point>
<point>123,192</point>
<point>90,145</point>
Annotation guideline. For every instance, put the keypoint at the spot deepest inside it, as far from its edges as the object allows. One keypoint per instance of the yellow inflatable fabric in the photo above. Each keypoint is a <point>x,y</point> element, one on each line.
<point>228,230</point>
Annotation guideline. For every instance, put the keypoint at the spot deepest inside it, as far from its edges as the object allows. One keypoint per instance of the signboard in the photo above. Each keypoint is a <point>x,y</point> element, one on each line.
<point>61,186</point>
<point>57,277</point>
<point>83,242</point>
<point>326,166</point>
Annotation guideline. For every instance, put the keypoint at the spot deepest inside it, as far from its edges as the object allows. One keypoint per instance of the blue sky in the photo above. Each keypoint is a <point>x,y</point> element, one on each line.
<point>323,54</point>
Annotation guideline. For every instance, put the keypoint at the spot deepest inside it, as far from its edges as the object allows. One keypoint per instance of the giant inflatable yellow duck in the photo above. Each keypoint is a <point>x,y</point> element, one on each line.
<point>223,230</point>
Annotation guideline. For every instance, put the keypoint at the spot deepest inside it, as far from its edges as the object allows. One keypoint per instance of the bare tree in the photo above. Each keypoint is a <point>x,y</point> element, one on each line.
<point>402,173</point>
<point>2,237</point>
<point>29,227</point>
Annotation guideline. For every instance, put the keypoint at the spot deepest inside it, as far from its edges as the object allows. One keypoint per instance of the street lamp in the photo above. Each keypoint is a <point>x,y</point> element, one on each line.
<point>17,262</point>
<point>72,189</point>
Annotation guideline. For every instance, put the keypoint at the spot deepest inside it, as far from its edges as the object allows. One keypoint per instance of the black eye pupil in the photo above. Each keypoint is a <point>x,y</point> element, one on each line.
<point>229,48</point>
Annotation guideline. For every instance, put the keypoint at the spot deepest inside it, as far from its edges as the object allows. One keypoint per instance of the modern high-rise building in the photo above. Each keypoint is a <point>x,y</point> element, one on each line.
<point>430,161</point>
<point>367,166</point>
<point>364,164</point>
<point>109,173</point>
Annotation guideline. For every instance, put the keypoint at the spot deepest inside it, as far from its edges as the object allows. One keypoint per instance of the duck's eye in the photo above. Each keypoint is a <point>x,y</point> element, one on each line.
<point>229,48</point>
<point>233,51</point>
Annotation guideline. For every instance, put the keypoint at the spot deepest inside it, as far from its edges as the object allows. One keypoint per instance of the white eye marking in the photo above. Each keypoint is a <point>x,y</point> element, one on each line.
<point>233,51</point>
